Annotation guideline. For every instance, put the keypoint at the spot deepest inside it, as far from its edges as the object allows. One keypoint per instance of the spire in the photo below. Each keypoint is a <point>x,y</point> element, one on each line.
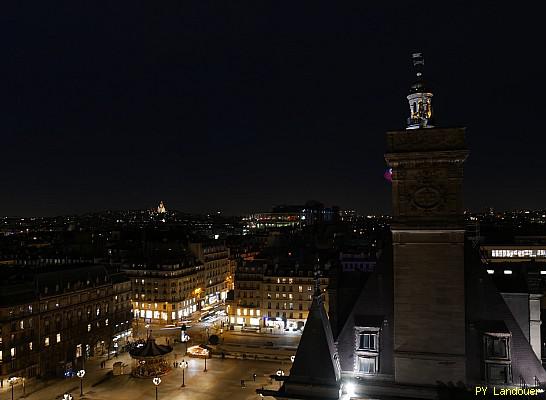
<point>316,365</point>
<point>419,98</point>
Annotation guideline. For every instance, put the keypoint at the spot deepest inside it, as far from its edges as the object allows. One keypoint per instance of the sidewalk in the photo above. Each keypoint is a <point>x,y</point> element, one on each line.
<point>54,388</point>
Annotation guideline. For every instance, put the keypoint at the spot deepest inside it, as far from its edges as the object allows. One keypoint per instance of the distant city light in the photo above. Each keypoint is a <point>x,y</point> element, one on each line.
<point>518,253</point>
<point>507,272</point>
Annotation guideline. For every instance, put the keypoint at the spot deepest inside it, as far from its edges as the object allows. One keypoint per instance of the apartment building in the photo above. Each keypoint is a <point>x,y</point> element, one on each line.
<point>273,296</point>
<point>54,317</point>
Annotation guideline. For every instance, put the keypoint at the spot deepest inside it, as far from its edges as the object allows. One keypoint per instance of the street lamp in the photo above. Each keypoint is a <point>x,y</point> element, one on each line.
<point>12,382</point>
<point>205,370</point>
<point>183,365</point>
<point>185,339</point>
<point>81,374</point>
<point>156,381</point>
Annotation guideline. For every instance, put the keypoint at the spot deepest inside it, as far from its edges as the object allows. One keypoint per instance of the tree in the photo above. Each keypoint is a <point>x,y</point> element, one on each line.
<point>214,339</point>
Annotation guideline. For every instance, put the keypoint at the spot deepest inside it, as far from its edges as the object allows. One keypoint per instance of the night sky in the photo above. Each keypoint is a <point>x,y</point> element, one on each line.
<point>238,106</point>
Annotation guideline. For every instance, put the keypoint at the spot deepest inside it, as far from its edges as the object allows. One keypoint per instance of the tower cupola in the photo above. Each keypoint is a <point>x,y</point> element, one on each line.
<point>420,98</point>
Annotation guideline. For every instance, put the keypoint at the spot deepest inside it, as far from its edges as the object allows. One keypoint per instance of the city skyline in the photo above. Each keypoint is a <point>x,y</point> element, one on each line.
<point>237,108</point>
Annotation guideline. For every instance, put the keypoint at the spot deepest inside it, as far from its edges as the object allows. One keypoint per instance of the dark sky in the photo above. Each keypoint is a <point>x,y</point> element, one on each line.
<point>239,105</point>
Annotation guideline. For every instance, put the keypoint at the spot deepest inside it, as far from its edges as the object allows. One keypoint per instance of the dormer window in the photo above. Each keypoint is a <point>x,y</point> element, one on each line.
<point>496,347</point>
<point>497,359</point>
<point>367,340</point>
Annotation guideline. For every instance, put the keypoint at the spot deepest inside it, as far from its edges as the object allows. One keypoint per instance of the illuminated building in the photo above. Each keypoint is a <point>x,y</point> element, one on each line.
<point>275,297</point>
<point>165,291</point>
<point>54,316</point>
<point>161,208</point>
<point>214,255</point>
<point>292,216</point>
<point>514,253</point>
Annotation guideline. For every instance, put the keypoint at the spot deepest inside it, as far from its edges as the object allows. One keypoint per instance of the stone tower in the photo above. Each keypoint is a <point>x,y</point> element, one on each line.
<point>428,244</point>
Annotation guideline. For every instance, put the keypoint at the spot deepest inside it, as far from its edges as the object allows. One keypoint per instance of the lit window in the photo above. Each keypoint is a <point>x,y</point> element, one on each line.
<point>58,337</point>
<point>46,341</point>
<point>1,355</point>
<point>106,322</point>
<point>367,365</point>
<point>507,272</point>
<point>88,327</point>
<point>13,351</point>
<point>490,271</point>
<point>244,311</point>
<point>542,272</point>
<point>21,325</point>
<point>30,346</point>
<point>367,341</point>
<point>300,289</point>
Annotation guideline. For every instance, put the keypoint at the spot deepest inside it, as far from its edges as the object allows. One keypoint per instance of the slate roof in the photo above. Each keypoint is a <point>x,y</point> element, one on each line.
<point>373,308</point>
<point>316,358</point>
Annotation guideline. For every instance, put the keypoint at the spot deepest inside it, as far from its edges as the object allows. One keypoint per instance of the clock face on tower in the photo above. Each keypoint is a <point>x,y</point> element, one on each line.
<point>426,197</point>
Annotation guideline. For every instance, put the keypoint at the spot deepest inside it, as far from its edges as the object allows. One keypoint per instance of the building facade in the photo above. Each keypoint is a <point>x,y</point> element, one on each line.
<point>164,292</point>
<point>53,318</point>
<point>214,256</point>
<point>274,297</point>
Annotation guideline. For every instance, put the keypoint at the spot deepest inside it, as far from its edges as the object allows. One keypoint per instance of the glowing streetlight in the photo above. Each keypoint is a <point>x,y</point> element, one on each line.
<point>12,381</point>
<point>350,389</point>
<point>156,382</point>
<point>184,338</point>
<point>81,374</point>
<point>183,365</point>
